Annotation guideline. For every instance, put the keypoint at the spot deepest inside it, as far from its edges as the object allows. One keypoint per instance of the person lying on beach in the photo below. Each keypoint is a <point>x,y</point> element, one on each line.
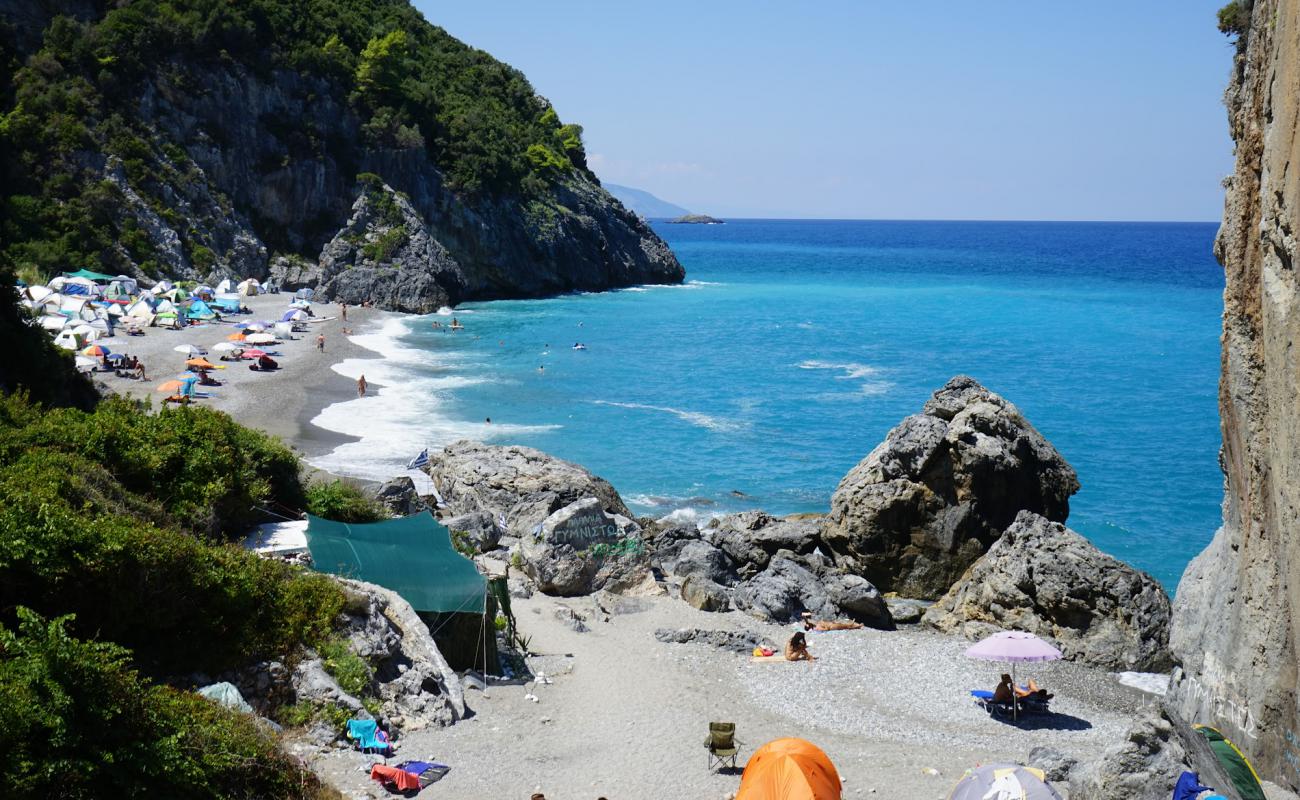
<point>797,648</point>
<point>810,624</point>
<point>1007,690</point>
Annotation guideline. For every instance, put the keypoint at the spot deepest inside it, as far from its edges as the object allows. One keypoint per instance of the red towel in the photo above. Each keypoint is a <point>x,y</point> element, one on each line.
<point>400,779</point>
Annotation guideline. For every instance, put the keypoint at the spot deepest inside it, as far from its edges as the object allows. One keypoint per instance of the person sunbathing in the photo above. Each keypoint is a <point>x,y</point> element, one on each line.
<point>797,648</point>
<point>810,624</point>
<point>1007,690</point>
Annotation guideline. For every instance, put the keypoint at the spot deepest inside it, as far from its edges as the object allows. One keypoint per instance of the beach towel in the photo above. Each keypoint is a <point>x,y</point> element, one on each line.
<point>394,778</point>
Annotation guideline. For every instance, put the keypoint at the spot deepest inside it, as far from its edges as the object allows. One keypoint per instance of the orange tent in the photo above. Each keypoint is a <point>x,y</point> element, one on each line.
<point>789,769</point>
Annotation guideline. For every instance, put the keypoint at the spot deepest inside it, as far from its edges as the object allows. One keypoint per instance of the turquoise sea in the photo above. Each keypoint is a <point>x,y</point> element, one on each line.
<point>796,345</point>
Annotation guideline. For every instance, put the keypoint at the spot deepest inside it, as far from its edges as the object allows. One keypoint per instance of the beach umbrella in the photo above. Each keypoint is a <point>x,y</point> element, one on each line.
<point>202,363</point>
<point>225,347</point>
<point>260,338</point>
<point>1013,647</point>
<point>294,315</point>
<point>303,304</point>
<point>86,362</point>
<point>252,353</point>
<point>1003,782</point>
<point>189,350</point>
<point>235,337</point>
<point>171,387</point>
<point>95,351</point>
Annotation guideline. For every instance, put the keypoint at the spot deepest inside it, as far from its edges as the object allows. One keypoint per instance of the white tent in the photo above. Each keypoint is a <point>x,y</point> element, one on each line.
<point>161,287</point>
<point>278,538</point>
<point>116,310</point>
<point>131,285</point>
<point>68,340</point>
<point>250,287</point>
<point>284,330</point>
<point>38,293</point>
<point>224,286</point>
<point>100,325</point>
<point>140,309</point>
<point>85,332</point>
<point>53,322</point>
<point>164,306</point>
<point>71,304</point>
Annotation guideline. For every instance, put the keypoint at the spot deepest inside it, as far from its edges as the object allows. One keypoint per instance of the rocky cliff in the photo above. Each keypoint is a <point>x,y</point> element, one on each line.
<point>199,139</point>
<point>1235,612</point>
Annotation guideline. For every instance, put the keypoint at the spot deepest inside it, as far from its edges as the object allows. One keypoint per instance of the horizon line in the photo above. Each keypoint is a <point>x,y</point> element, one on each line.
<point>954,219</point>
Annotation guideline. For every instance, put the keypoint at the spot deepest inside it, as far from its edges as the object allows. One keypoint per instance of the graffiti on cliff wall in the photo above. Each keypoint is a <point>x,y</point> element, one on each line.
<point>1222,704</point>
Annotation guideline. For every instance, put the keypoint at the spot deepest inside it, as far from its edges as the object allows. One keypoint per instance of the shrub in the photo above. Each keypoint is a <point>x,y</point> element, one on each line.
<point>349,669</point>
<point>342,501</point>
<point>79,722</point>
<point>1234,18</point>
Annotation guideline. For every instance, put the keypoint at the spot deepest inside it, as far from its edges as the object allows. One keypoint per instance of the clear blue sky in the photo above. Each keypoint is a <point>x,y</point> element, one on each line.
<point>857,109</point>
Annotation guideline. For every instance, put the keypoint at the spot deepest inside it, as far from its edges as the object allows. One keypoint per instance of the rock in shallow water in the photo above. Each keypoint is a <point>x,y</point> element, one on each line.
<point>941,488</point>
<point>1044,578</point>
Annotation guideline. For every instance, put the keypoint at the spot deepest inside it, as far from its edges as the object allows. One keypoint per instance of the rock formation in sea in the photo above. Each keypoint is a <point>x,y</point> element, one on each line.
<point>205,155</point>
<point>1044,578</point>
<point>942,487</point>
<point>1237,608</point>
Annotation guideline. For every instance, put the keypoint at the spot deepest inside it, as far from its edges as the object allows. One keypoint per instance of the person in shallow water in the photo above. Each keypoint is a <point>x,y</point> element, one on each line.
<point>810,624</point>
<point>361,386</point>
<point>797,648</point>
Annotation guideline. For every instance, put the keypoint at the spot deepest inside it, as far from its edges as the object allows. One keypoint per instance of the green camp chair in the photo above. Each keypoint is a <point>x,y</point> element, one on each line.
<point>721,744</point>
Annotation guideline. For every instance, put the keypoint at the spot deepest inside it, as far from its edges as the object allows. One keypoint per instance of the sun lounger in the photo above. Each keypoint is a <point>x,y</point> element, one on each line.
<point>984,699</point>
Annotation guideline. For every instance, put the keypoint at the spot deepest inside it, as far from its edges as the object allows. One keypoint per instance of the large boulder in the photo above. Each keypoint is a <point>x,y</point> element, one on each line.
<point>751,538</point>
<point>581,548</point>
<point>941,488</point>
<point>400,497</point>
<point>1044,578</point>
<point>519,486</point>
<point>783,591</point>
<point>479,529</point>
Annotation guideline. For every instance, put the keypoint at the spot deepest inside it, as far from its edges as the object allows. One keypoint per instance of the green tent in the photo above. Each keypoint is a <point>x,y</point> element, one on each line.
<point>88,275</point>
<point>411,555</point>
<point>1244,778</point>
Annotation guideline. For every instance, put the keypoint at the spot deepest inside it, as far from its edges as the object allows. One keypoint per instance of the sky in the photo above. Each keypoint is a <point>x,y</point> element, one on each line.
<point>855,109</point>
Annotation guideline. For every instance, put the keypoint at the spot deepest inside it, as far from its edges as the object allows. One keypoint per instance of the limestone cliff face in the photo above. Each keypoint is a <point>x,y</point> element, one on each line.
<point>1235,620</point>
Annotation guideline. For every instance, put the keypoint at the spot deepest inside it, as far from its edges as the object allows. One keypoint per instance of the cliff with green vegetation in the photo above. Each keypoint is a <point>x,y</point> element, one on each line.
<point>204,138</point>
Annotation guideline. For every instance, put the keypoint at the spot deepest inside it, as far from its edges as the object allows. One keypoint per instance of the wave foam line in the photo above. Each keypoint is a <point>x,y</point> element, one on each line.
<point>697,418</point>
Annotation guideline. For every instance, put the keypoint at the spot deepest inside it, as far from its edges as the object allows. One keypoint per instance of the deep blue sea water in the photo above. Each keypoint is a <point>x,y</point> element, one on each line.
<point>796,345</point>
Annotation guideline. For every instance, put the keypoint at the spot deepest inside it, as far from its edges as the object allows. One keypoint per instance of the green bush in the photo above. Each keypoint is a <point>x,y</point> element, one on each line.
<point>342,501</point>
<point>349,669</point>
<point>1234,18</point>
<point>80,723</point>
<point>209,474</point>
<point>383,248</point>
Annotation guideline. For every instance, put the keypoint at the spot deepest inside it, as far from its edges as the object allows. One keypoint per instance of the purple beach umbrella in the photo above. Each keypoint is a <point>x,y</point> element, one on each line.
<point>1013,647</point>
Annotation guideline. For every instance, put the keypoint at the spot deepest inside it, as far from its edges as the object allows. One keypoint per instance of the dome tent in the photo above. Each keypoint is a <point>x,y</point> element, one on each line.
<point>789,769</point>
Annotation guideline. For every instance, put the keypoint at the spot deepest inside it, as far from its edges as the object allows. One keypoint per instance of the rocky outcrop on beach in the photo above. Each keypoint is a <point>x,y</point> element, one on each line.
<point>1044,578</point>
<point>1144,766</point>
<point>581,548</point>
<point>399,497</point>
<point>519,486</point>
<point>1236,616</point>
<point>386,255</point>
<point>735,641</point>
<point>770,567</point>
<point>933,497</point>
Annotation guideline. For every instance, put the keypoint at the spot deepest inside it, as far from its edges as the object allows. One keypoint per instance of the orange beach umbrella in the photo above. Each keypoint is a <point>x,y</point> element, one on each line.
<point>202,362</point>
<point>171,387</point>
<point>235,337</point>
<point>789,769</point>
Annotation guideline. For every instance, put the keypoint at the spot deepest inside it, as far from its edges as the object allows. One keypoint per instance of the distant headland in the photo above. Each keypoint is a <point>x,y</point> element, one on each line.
<point>696,219</point>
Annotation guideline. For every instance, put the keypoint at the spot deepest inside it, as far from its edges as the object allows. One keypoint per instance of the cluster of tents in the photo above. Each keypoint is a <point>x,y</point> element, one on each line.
<point>80,307</point>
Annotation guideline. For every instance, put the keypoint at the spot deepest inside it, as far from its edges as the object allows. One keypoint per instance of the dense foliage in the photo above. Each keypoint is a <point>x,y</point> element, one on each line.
<point>75,538</point>
<point>343,502</point>
<point>408,83</point>
<point>1234,18</point>
<point>205,472</point>
<point>81,723</point>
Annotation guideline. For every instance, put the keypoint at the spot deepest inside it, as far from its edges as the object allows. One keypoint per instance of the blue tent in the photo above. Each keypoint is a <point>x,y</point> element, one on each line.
<point>200,310</point>
<point>228,303</point>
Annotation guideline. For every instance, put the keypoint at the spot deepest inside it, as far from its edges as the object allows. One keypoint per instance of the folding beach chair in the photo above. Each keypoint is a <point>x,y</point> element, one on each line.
<point>721,744</point>
<point>366,733</point>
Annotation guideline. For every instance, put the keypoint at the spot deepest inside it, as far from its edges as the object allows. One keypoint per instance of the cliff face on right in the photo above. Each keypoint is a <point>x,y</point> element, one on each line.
<point>1235,621</point>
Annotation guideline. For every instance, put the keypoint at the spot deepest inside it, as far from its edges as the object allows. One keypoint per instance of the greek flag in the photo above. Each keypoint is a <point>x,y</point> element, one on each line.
<point>422,460</point>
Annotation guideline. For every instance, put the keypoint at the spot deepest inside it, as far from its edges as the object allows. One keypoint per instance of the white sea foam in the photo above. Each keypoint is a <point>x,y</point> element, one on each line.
<point>850,371</point>
<point>697,418</point>
<point>1150,682</point>
<point>404,411</point>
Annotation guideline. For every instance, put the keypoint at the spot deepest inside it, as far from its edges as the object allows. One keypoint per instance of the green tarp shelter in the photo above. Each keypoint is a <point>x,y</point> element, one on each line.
<point>411,555</point>
<point>90,276</point>
<point>1235,763</point>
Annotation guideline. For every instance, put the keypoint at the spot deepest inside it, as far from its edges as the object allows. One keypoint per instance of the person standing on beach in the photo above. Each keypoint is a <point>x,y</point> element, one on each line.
<point>361,386</point>
<point>320,342</point>
<point>344,311</point>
